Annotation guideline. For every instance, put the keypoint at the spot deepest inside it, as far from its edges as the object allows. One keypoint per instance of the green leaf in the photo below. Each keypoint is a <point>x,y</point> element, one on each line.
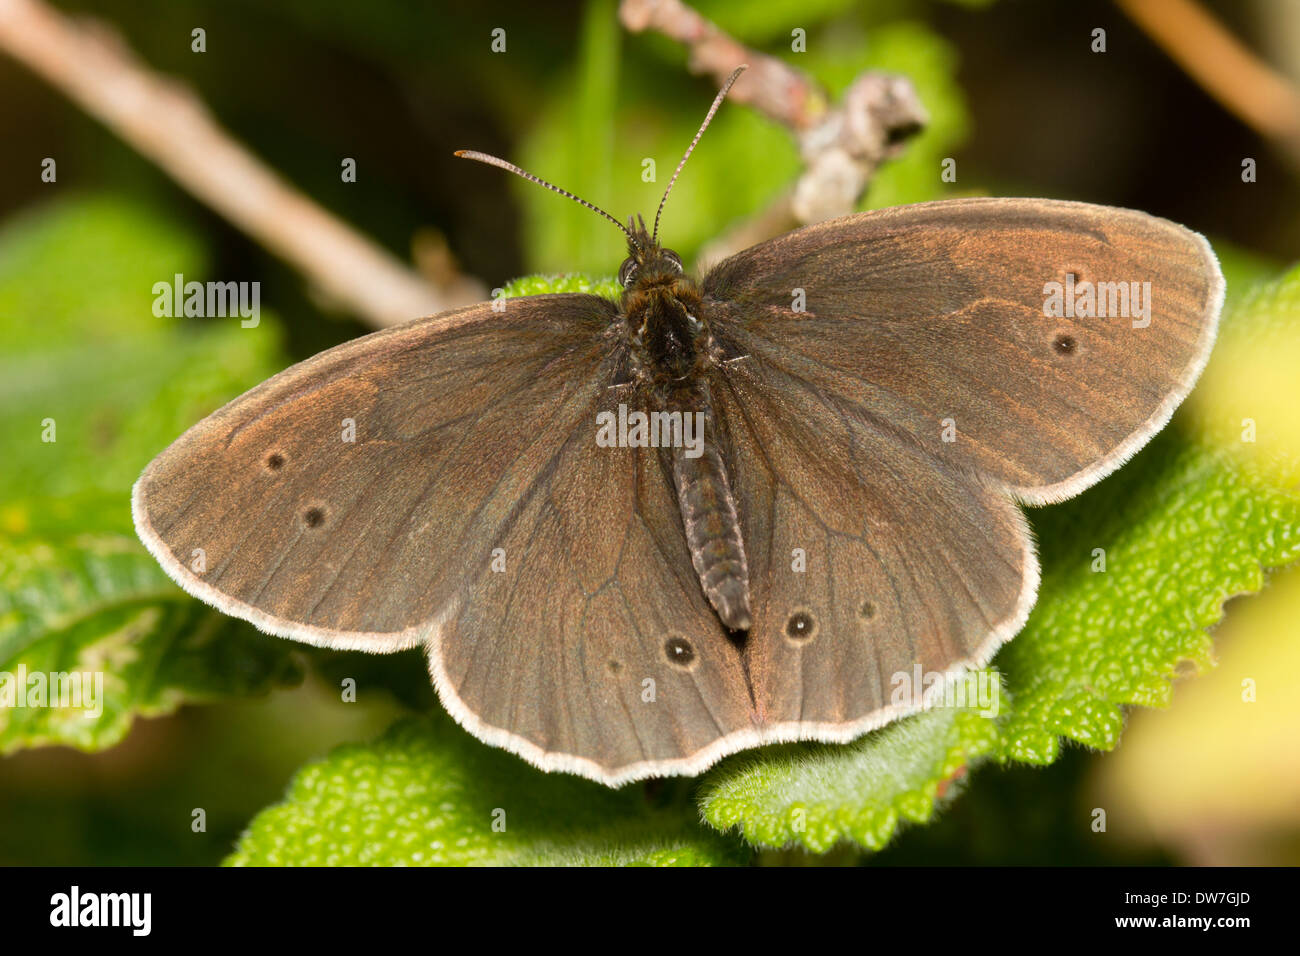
<point>93,385</point>
<point>1189,523</point>
<point>817,796</point>
<point>1183,528</point>
<point>561,233</point>
<point>1246,273</point>
<point>428,794</point>
<point>569,282</point>
<point>96,607</point>
<point>1248,396</point>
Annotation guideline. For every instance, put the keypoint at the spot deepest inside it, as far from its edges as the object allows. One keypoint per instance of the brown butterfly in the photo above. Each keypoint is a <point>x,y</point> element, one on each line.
<point>636,537</point>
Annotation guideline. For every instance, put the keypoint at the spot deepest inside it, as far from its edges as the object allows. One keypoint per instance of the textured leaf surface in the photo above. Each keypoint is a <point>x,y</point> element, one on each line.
<point>818,796</point>
<point>567,282</point>
<point>428,794</point>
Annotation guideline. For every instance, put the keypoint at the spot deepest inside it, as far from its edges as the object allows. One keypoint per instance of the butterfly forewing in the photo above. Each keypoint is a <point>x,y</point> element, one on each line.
<point>935,321</point>
<point>345,500</point>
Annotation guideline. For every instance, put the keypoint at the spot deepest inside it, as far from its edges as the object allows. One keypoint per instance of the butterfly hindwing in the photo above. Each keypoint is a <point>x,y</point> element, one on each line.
<point>595,650</point>
<point>871,562</point>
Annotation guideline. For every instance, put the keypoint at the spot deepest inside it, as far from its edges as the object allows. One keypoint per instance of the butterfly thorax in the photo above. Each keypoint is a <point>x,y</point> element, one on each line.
<point>667,340</point>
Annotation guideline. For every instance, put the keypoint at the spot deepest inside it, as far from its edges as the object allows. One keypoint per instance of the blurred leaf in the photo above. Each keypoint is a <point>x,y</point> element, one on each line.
<point>92,367</point>
<point>1227,752</point>
<point>84,349</point>
<point>428,794</point>
<point>572,147</point>
<point>1247,397</point>
<point>78,271</point>
<point>1184,526</point>
<point>1246,272</point>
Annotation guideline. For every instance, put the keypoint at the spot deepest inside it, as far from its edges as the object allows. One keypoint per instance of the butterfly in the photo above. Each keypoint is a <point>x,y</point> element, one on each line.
<point>636,536</point>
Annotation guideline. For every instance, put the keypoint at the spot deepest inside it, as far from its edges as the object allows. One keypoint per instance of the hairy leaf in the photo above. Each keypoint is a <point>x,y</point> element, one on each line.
<point>428,794</point>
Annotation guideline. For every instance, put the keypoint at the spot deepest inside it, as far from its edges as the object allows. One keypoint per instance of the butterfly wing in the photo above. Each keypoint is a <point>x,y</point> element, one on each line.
<point>880,552</point>
<point>440,483</point>
<point>595,651</point>
<point>932,317</point>
<point>872,563</point>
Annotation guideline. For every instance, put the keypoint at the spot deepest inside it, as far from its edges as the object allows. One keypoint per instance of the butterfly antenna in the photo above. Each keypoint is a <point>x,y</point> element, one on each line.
<point>722,94</point>
<point>511,167</point>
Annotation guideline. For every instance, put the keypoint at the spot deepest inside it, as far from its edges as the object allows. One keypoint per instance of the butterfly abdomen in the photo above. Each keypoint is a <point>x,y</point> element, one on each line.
<point>712,526</point>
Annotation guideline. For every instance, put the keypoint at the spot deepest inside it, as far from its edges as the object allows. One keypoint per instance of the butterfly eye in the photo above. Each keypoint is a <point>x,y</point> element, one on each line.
<point>627,272</point>
<point>674,260</point>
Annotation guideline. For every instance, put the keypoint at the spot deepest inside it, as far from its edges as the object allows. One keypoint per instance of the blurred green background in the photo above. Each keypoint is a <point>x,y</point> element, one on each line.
<point>1015,96</point>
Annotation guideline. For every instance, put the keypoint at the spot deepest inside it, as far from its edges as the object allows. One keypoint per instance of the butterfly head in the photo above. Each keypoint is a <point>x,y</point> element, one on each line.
<point>647,262</point>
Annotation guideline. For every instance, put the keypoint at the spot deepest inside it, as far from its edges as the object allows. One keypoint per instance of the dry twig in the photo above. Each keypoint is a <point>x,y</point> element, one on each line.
<point>1258,95</point>
<point>842,145</point>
